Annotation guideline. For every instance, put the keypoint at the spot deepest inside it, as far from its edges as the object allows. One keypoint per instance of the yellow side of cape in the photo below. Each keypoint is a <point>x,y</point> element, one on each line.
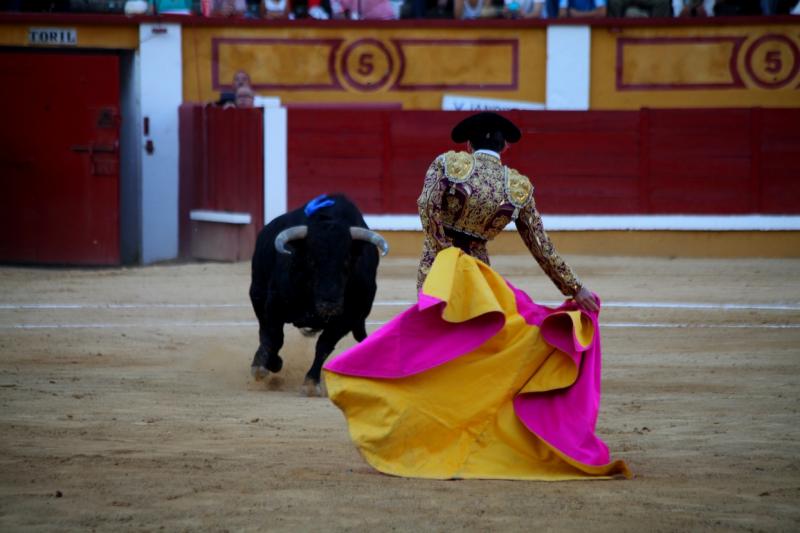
<point>457,420</point>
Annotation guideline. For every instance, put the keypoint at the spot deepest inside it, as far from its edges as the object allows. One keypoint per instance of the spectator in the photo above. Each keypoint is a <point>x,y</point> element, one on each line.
<point>253,9</point>
<point>245,97</point>
<point>640,8</point>
<point>319,10</point>
<point>138,7</point>
<point>169,7</point>
<point>728,8</point>
<point>523,9</point>
<point>276,9</point>
<point>477,9</point>
<point>693,8</point>
<point>363,9</point>
<point>229,8</point>
<point>420,9</point>
<point>77,6</point>
<point>582,8</point>
<point>240,79</point>
<point>315,9</point>
<point>778,7</point>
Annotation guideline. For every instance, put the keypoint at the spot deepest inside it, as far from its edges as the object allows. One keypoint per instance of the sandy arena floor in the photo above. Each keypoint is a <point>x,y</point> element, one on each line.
<point>126,404</point>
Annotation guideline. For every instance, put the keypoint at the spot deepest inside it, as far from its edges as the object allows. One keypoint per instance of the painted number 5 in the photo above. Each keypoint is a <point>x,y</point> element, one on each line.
<point>366,66</point>
<point>773,60</point>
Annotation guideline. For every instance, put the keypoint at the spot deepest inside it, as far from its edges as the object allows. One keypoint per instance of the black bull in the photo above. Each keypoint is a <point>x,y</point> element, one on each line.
<point>316,272</point>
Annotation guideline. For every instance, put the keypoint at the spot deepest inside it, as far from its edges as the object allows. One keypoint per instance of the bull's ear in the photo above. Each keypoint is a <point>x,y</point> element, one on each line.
<point>289,234</point>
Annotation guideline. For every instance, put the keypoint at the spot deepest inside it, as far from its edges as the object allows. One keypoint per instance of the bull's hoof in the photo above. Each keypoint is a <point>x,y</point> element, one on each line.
<point>274,363</point>
<point>312,389</point>
<point>259,373</point>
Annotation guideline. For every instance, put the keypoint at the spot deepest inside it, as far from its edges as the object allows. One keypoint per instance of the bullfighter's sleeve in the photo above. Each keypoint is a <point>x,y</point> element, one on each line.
<point>530,227</point>
<point>429,204</point>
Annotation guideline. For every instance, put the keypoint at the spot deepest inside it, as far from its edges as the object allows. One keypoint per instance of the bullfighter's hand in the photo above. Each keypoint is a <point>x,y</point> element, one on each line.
<point>586,300</point>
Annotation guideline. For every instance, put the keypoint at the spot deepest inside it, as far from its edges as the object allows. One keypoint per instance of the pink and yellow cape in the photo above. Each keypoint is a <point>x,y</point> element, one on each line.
<point>476,381</point>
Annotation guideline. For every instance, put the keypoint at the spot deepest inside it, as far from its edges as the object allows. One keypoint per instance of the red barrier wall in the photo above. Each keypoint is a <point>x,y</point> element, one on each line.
<point>707,161</point>
<point>221,169</point>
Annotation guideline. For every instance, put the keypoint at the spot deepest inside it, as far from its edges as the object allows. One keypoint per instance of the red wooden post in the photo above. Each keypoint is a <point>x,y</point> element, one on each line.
<point>192,165</point>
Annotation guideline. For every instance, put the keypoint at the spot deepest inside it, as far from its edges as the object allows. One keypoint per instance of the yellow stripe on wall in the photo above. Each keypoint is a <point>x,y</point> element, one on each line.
<point>413,67</point>
<point>695,66</point>
<point>453,64</point>
<point>116,37</point>
<point>675,63</point>
<point>287,63</point>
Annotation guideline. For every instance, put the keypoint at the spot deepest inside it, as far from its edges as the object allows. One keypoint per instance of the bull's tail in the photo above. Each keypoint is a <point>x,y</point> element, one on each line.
<point>309,332</point>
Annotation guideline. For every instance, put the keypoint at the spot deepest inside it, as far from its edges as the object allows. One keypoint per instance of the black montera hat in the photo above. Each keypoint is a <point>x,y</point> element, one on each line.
<point>482,123</point>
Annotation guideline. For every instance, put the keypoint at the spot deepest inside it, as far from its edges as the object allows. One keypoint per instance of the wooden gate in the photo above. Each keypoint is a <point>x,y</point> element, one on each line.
<point>59,158</point>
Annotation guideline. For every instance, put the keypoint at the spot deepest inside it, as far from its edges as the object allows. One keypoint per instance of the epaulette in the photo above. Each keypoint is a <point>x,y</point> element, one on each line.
<point>518,190</point>
<point>458,166</point>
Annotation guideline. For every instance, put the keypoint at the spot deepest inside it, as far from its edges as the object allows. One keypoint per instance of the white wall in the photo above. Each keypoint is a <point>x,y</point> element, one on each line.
<point>275,162</point>
<point>161,93</point>
<point>568,67</point>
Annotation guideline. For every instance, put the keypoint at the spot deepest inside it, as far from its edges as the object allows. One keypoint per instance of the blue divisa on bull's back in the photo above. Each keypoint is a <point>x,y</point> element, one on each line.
<point>313,267</point>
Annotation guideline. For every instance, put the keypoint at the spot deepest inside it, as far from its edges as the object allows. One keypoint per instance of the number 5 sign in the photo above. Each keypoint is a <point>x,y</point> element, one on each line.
<point>772,61</point>
<point>367,65</point>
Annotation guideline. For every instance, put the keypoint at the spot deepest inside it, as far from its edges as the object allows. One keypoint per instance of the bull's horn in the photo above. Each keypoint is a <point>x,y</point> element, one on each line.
<point>289,234</point>
<point>363,234</point>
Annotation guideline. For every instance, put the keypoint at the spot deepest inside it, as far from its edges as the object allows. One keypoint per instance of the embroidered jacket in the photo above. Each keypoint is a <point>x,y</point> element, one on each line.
<point>477,196</point>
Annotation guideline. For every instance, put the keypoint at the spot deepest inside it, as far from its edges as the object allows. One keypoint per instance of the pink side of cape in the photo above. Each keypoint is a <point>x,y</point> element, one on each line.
<point>565,418</point>
<point>419,339</point>
<point>416,340</point>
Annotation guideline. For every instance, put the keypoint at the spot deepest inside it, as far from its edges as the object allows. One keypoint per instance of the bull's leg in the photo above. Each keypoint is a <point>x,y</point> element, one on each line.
<point>360,331</point>
<point>360,297</point>
<point>266,358</point>
<point>270,336</point>
<point>325,345</point>
<point>258,297</point>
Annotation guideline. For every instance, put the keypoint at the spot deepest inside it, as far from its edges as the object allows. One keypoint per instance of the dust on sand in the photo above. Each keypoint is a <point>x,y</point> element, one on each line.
<point>126,411</point>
